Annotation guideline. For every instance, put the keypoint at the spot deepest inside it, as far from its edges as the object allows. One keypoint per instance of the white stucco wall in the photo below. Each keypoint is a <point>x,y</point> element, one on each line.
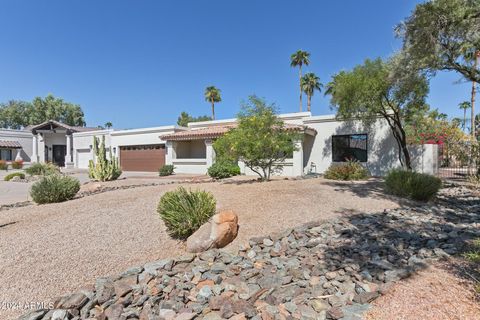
<point>382,150</point>
<point>286,171</point>
<point>191,166</point>
<point>25,139</point>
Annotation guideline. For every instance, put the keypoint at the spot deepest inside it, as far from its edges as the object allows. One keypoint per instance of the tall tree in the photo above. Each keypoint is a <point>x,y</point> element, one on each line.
<point>108,125</point>
<point>310,82</point>
<point>381,88</point>
<point>212,95</point>
<point>19,114</point>
<point>298,59</point>
<point>185,118</point>
<point>465,105</point>
<point>445,35</point>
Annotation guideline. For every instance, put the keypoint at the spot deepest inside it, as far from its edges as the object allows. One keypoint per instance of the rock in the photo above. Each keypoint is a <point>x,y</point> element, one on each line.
<point>216,233</point>
<point>105,289</point>
<point>167,314</point>
<point>212,316</point>
<point>152,267</point>
<point>186,316</point>
<point>335,313</point>
<point>114,311</point>
<point>267,242</point>
<point>73,301</point>
<point>34,315</point>
<point>319,305</point>
<point>59,315</point>
<point>365,297</point>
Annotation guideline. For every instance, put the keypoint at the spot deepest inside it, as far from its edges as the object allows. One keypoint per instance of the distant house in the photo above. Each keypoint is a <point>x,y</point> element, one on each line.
<point>324,140</point>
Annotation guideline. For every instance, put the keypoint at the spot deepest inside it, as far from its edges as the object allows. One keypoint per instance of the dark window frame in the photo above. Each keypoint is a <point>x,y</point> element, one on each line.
<point>335,159</point>
<point>8,151</point>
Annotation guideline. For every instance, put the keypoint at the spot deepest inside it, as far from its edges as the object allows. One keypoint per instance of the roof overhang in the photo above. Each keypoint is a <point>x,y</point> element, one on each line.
<point>218,131</point>
<point>10,144</point>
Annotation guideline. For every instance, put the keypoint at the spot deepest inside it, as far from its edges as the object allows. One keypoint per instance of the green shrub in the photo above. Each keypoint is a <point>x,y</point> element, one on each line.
<point>418,186</point>
<point>166,170</point>
<point>54,188</point>
<point>350,170</point>
<point>42,169</point>
<point>17,164</point>
<point>3,165</point>
<point>223,169</point>
<point>183,212</point>
<point>10,176</point>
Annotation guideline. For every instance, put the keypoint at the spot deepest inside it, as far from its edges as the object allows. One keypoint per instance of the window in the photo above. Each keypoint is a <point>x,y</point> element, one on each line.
<point>349,147</point>
<point>6,154</point>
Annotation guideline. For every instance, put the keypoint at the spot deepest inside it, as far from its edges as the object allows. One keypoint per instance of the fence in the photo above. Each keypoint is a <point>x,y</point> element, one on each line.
<point>457,160</point>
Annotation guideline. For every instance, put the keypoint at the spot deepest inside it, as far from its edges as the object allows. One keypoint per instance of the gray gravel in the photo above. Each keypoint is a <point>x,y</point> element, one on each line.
<point>52,249</point>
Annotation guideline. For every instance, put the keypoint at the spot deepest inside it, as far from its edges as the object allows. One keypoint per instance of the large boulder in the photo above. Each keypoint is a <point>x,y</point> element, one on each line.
<point>219,231</point>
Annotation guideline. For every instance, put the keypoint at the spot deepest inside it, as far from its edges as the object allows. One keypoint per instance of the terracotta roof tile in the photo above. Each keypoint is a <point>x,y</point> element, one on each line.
<point>218,131</point>
<point>10,144</point>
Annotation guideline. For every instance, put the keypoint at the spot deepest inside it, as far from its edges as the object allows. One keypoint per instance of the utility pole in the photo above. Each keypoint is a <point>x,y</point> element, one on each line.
<point>474,92</point>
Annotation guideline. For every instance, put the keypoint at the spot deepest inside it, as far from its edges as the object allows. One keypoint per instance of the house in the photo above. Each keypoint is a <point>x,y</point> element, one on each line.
<point>324,140</point>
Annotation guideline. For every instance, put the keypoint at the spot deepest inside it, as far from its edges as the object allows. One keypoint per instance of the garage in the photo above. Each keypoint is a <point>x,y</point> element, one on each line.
<point>142,158</point>
<point>83,157</point>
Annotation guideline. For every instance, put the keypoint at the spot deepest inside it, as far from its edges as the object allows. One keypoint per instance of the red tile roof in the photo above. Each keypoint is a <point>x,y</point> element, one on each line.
<point>10,144</point>
<point>218,131</point>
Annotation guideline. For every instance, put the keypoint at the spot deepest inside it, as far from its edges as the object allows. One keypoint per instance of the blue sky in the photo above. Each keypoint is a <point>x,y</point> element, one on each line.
<point>140,63</point>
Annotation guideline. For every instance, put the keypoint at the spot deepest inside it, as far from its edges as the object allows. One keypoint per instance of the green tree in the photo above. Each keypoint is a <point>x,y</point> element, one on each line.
<point>212,95</point>
<point>464,106</point>
<point>444,35</point>
<point>310,82</point>
<point>260,139</point>
<point>108,125</point>
<point>18,114</point>
<point>298,59</point>
<point>15,114</point>
<point>185,118</point>
<point>378,88</point>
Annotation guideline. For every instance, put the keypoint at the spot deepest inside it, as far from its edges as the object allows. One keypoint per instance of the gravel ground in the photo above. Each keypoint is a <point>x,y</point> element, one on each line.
<point>52,249</point>
<point>431,294</point>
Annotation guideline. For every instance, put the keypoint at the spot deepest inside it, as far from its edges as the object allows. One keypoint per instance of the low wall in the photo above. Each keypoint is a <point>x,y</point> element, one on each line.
<point>287,169</point>
<point>192,166</point>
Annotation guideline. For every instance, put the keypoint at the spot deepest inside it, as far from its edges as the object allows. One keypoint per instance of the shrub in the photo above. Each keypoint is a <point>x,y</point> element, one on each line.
<point>10,176</point>
<point>418,186</point>
<point>3,165</point>
<point>17,164</point>
<point>166,170</point>
<point>42,169</point>
<point>223,169</point>
<point>183,212</point>
<point>54,188</point>
<point>351,170</point>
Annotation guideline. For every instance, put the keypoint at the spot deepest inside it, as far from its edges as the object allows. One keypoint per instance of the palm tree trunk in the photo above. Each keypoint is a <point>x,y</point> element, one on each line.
<point>309,102</point>
<point>213,110</point>
<point>474,85</point>
<point>300,74</point>
<point>464,119</point>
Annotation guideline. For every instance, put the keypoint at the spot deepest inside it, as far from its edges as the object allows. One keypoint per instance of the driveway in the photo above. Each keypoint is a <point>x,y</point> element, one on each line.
<point>52,249</point>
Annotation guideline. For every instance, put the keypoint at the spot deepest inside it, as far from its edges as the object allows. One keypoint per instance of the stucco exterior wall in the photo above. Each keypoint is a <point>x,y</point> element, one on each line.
<point>25,139</point>
<point>195,149</point>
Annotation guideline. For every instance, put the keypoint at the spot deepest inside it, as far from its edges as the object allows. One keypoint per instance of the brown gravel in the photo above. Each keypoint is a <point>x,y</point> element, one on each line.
<point>50,250</point>
<point>431,294</point>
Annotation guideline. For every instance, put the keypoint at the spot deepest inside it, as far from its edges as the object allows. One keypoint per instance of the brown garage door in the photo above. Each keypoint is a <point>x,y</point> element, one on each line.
<point>142,158</point>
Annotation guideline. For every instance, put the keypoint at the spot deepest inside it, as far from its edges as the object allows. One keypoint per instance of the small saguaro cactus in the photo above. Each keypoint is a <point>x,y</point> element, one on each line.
<point>103,169</point>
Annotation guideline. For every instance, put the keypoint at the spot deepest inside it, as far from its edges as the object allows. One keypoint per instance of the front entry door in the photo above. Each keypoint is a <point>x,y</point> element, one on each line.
<point>58,154</point>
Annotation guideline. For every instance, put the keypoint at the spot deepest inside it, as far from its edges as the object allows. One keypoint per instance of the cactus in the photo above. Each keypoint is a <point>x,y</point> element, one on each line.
<point>103,169</point>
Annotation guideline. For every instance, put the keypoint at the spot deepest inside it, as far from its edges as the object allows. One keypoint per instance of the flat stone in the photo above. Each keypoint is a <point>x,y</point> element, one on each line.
<point>105,289</point>
<point>73,301</point>
<point>114,311</point>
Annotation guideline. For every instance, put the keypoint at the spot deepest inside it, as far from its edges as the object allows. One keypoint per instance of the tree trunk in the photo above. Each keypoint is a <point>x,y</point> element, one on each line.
<point>213,110</point>
<point>474,84</point>
<point>309,102</point>
<point>300,74</point>
<point>465,118</point>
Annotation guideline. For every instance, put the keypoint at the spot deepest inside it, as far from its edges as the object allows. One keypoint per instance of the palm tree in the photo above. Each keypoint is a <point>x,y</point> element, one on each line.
<point>212,95</point>
<point>310,82</point>
<point>298,59</point>
<point>465,105</point>
<point>108,125</point>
